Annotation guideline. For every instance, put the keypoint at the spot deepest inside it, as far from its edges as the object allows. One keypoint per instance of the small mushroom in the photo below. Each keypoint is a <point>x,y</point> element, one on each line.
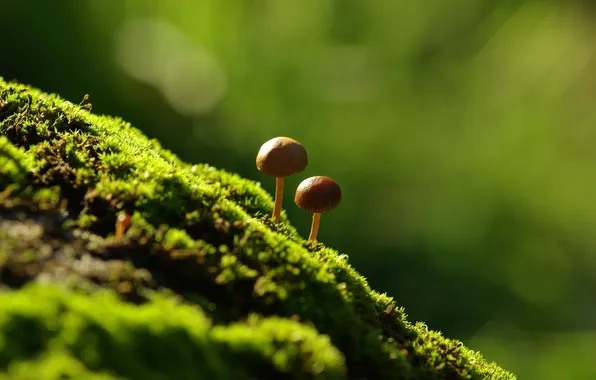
<point>317,195</point>
<point>281,157</point>
<point>122,223</point>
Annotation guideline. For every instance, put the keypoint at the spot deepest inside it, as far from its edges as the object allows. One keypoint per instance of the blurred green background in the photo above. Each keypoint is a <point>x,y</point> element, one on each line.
<point>462,133</point>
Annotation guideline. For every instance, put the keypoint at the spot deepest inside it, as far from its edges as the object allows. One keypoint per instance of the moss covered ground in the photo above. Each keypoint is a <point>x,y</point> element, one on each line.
<point>202,285</point>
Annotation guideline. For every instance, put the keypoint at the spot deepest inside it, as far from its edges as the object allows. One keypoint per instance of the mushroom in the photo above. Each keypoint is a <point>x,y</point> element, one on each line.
<point>122,223</point>
<point>281,157</point>
<point>317,194</point>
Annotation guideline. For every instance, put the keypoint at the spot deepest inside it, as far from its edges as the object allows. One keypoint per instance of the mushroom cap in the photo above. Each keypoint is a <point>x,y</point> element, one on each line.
<point>318,194</point>
<point>281,157</point>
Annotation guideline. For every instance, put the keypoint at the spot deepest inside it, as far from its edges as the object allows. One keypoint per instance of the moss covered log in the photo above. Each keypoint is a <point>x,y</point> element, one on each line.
<point>202,284</point>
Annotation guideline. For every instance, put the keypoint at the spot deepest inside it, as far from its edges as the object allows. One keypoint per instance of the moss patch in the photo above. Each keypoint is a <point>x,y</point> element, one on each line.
<point>51,328</point>
<point>201,274</point>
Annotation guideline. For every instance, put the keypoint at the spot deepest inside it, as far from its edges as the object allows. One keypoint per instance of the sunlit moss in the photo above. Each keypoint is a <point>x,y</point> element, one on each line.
<point>56,332</point>
<point>199,236</point>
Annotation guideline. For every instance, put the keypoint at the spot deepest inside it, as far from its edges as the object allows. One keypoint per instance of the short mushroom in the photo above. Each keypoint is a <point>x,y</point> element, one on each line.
<point>122,223</point>
<point>281,157</point>
<point>317,195</point>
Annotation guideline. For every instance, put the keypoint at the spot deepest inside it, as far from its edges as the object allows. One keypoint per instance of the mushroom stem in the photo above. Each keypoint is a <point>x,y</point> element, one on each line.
<point>279,194</point>
<point>314,228</point>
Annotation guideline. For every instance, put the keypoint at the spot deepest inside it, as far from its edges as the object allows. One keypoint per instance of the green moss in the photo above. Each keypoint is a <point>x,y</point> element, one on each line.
<point>200,236</point>
<point>57,332</point>
<point>14,164</point>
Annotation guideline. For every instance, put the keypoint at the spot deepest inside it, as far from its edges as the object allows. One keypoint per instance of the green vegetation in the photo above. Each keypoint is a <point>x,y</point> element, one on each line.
<point>201,279</point>
<point>157,340</point>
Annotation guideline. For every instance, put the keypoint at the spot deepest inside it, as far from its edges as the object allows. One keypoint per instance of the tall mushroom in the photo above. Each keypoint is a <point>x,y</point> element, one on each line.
<point>281,157</point>
<point>317,195</point>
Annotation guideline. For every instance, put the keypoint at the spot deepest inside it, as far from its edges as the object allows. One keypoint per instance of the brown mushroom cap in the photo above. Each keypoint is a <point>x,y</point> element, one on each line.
<point>281,157</point>
<point>318,194</point>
